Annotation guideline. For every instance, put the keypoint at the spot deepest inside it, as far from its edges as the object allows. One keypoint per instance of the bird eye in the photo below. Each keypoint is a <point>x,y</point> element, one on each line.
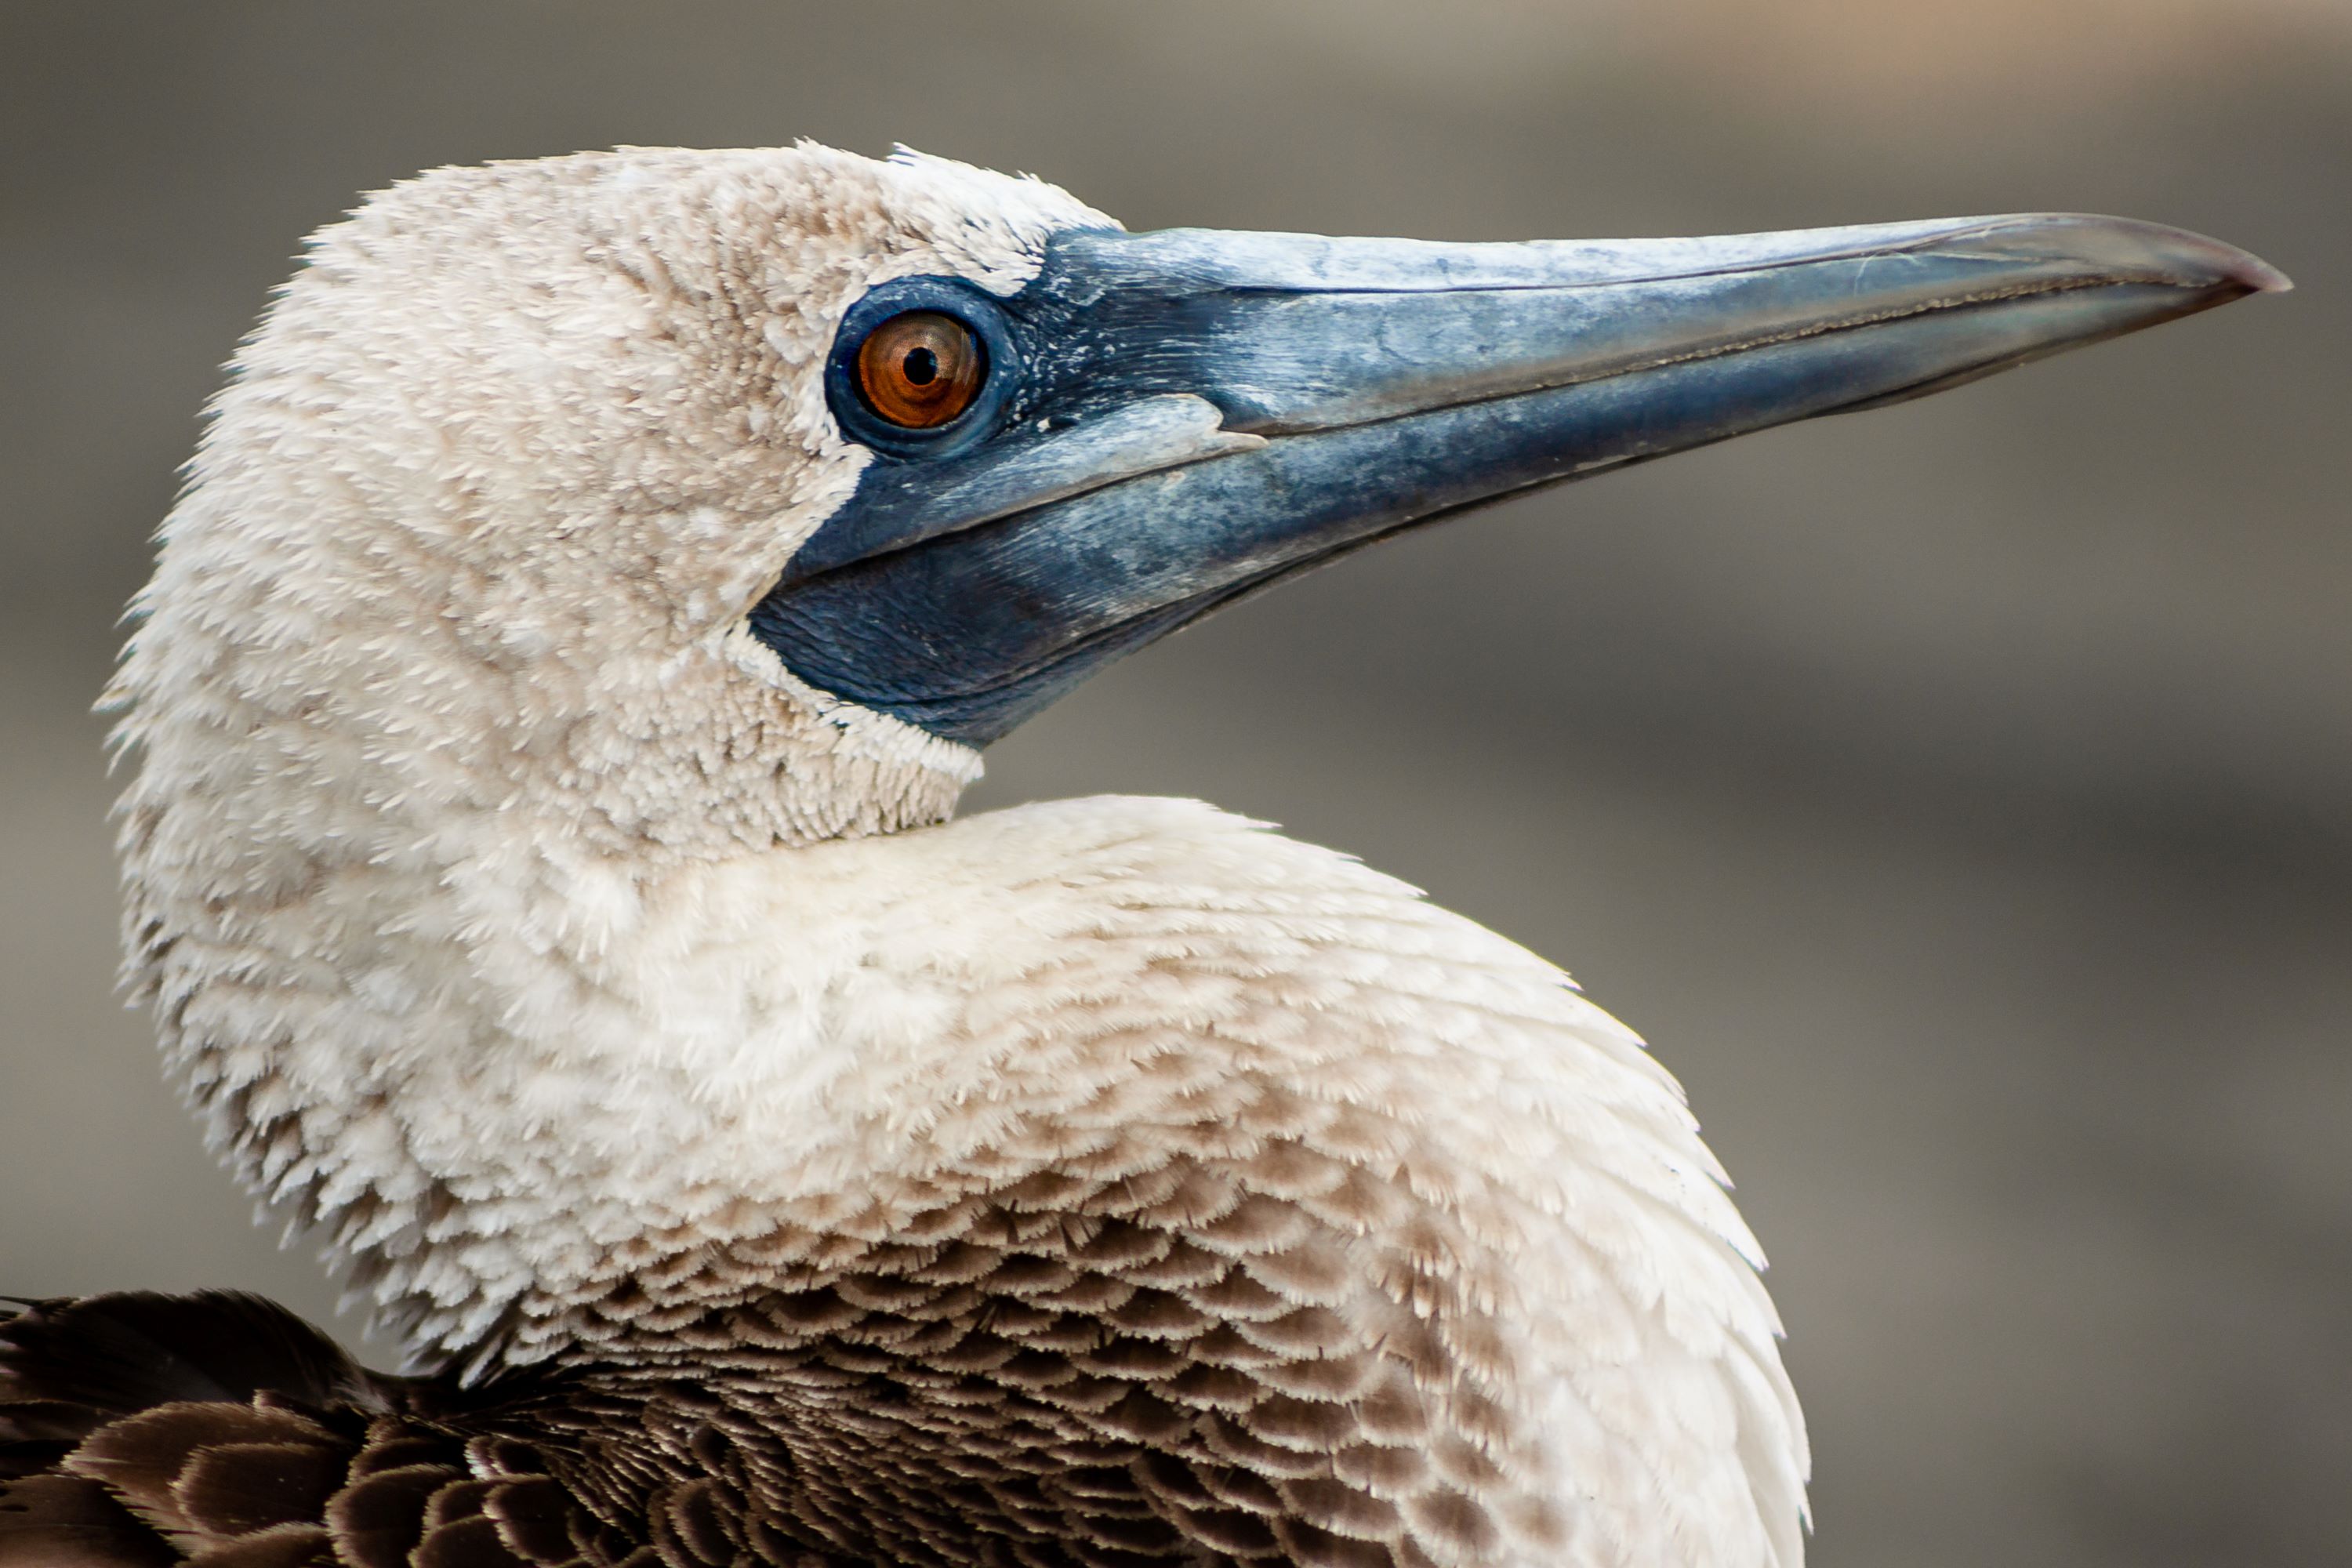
<point>921,369</point>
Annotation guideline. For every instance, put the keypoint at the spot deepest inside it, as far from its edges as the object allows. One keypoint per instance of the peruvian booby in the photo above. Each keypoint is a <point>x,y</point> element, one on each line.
<point>591,593</point>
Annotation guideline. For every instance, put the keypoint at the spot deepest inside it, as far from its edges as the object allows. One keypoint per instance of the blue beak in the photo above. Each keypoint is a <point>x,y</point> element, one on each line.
<point>1172,420</point>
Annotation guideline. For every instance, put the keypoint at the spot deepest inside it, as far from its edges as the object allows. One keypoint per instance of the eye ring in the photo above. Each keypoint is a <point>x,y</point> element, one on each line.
<point>920,369</point>
<point>972,391</point>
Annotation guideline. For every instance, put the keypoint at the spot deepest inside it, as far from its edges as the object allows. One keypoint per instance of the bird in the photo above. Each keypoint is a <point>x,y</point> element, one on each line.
<point>593,590</point>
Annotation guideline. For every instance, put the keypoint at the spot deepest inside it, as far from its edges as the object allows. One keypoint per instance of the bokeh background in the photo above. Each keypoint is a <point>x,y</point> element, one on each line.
<point>1959,796</point>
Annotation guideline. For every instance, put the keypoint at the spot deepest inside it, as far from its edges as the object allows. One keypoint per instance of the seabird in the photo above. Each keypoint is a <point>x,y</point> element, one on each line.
<point>591,591</point>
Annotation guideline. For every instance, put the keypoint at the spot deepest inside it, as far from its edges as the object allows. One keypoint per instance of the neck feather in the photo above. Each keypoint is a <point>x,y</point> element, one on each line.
<point>1117,1067</point>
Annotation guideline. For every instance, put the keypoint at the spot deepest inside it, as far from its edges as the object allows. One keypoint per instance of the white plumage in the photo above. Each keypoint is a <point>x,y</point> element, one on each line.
<point>516,917</point>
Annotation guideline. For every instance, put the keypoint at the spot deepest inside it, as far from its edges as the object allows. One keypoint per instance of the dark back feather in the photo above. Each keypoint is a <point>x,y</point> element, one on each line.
<point>221,1431</point>
<point>123,1354</point>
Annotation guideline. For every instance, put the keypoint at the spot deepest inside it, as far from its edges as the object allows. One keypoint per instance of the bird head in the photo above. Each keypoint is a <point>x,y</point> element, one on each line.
<point>692,500</point>
<point>479,521</point>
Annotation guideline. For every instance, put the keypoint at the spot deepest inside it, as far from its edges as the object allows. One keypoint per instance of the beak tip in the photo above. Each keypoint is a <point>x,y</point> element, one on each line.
<point>2226,265</point>
<point>2123,250</point>
<point>2261,278</point>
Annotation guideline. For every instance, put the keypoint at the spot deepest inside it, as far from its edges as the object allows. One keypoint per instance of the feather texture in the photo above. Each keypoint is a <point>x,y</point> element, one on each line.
<point>1384,1247</point>
<point>775,1171</point>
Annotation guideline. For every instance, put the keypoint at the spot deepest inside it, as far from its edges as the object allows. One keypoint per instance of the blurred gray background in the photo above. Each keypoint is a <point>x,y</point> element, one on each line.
<point>1959,797</point>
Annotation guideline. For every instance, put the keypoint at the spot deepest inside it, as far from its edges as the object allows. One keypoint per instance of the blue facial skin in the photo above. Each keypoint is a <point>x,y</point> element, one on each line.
<point>1170,420</point>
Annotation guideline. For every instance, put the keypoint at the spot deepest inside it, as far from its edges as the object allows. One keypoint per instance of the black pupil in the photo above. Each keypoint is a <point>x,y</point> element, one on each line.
<point>922,366</point>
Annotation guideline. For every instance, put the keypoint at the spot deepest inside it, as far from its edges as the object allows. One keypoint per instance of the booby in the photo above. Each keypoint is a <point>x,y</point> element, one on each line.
<point>591,591</point>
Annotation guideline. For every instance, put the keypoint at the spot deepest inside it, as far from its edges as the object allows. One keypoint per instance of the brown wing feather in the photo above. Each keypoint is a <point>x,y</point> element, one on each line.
<point>220,1431</point>
<point>59,1522</point>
